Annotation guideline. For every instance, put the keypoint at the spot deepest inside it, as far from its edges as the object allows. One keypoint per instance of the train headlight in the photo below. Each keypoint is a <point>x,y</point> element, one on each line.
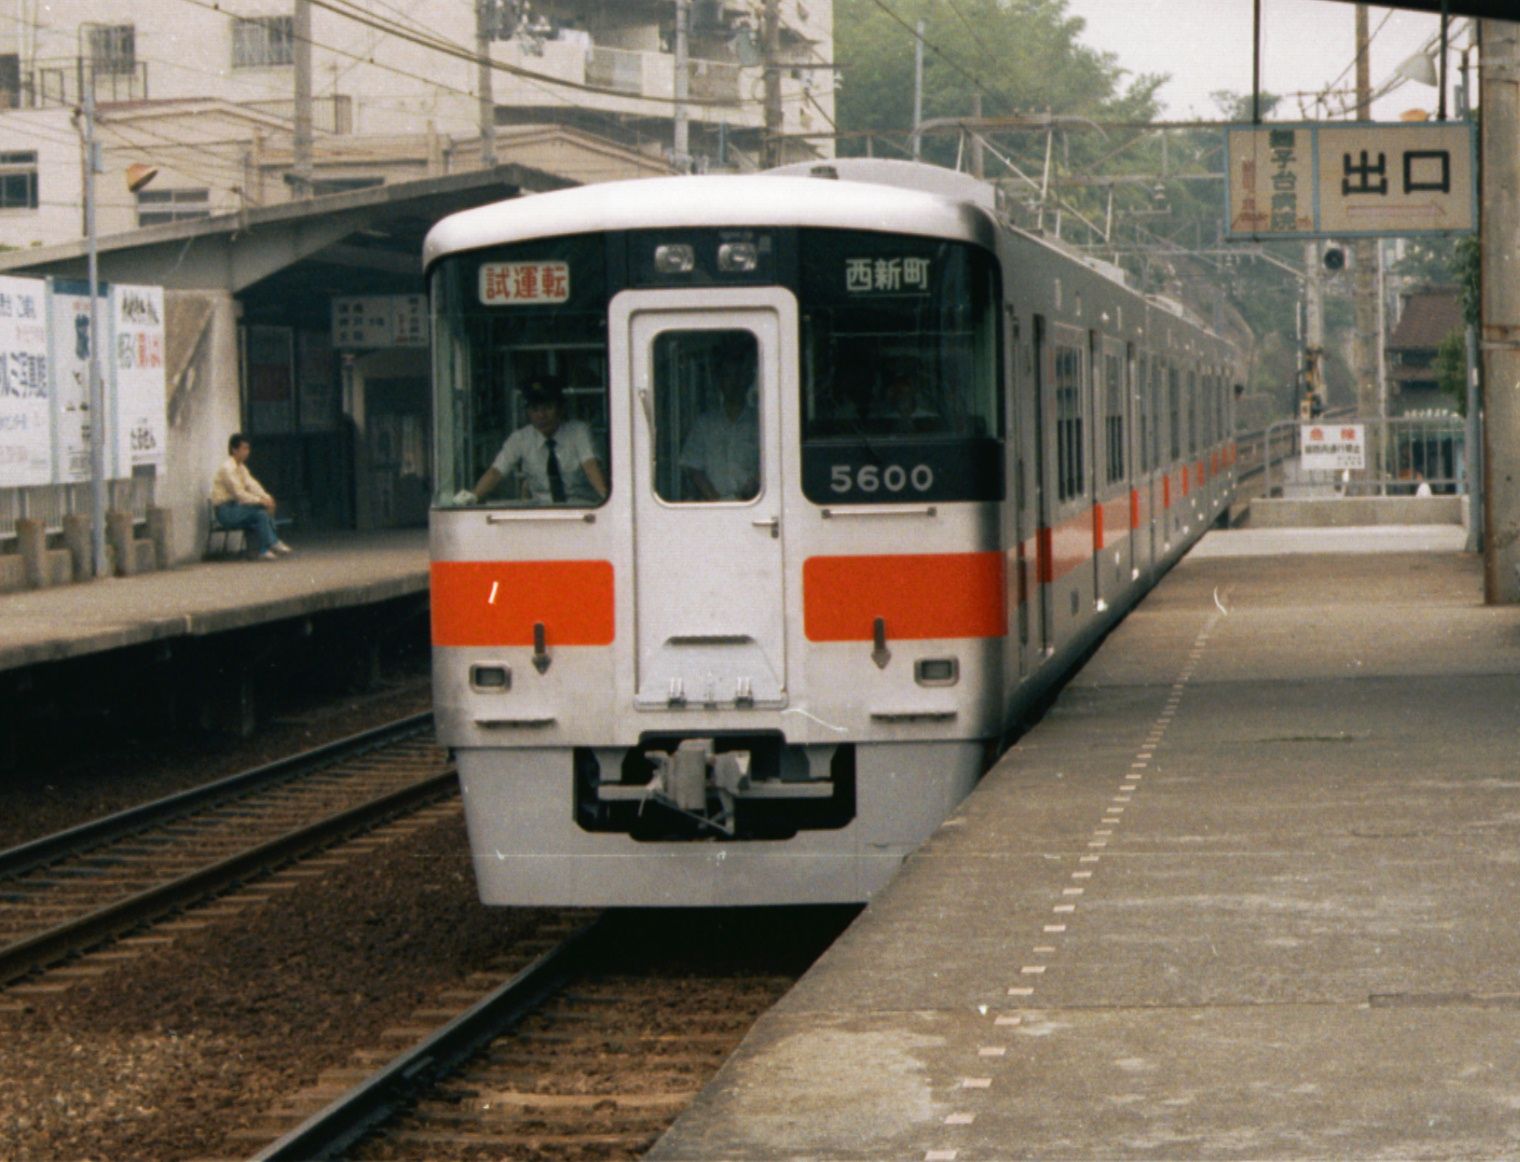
<point>937,671</point>
<point>738,257</point>
<point>675,258</point>
<point>490,678</point>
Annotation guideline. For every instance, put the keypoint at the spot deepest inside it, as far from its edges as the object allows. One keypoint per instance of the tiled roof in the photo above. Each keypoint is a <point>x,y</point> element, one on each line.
<point>1429,316</point>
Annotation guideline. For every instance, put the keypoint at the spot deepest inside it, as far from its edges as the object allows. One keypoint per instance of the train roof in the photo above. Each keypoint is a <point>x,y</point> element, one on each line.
<point>759,200</point>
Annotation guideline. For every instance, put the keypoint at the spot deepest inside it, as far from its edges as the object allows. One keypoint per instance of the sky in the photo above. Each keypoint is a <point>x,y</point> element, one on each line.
<point>1307,46</point>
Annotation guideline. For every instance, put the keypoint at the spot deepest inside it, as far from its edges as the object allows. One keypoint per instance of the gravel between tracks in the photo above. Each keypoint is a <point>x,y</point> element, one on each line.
<point>37,802</point>
<point>167,1055</point>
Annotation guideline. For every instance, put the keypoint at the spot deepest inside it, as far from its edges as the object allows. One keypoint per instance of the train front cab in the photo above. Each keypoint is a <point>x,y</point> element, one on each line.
<point>773,695</point>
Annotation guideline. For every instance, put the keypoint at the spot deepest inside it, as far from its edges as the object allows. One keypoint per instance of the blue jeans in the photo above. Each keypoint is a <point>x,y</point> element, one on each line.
<point>252,519</point>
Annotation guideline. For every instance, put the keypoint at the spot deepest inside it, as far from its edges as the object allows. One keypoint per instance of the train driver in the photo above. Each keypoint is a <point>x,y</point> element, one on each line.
<point>722,453</point>
<point>904,411</point>
<point>557,457</point>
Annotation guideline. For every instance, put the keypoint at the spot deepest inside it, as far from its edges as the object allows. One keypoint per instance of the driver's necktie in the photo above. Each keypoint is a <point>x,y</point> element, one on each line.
<point>556,478</point>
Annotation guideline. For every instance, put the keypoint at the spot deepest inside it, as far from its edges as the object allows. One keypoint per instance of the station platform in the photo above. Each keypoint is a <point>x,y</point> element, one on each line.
<point>328,571</point>
<point>1247,891</point>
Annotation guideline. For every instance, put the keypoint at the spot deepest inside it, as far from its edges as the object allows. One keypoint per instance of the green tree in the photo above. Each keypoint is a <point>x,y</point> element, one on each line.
<point>1451,355</point>
<point>1451,369</point>
<point>1021,56</point>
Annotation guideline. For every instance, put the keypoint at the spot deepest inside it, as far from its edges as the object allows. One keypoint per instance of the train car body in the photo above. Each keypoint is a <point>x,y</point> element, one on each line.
<point>788,632</point>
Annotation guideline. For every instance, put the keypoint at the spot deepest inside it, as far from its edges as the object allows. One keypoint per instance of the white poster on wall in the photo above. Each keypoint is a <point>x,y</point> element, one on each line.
<point>69,321</point>
<point>26,422</point>
<point>137,336</point>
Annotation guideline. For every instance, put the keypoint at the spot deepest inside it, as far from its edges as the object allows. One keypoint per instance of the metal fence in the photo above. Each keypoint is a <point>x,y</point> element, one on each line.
<point>51,503</point>
<point>1399,454</point>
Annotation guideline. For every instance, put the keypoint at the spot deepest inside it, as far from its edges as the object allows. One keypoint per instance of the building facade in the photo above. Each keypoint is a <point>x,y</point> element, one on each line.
<point>206,93</point>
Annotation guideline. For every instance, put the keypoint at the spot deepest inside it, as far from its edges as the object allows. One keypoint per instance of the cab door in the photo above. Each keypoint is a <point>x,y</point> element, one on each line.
<point>704,371</point>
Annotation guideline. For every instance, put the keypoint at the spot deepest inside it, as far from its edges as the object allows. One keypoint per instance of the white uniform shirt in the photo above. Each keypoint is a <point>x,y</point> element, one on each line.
<point>526,449</point>
<point>726,451</point>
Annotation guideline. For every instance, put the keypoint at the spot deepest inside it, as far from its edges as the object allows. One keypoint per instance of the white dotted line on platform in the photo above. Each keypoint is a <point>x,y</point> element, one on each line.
<point>1100,837</point>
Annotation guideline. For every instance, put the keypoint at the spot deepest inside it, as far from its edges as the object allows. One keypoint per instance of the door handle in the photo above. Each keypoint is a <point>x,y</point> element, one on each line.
<point>769,522</point>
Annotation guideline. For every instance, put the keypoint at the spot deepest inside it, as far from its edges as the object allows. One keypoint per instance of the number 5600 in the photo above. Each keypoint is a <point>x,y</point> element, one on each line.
<point>872,478</point>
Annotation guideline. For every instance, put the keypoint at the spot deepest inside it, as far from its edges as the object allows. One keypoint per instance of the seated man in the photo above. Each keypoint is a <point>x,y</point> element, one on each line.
<point>722,453</point>
<point>241,502</point>
<point>556,456</point>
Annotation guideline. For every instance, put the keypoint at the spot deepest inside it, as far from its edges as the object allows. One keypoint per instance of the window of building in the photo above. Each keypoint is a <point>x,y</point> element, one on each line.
<point>155,207</point>
<point>18,180</point>
<point>10,80</point>
<point>260,42</point>
<point>113,49</point>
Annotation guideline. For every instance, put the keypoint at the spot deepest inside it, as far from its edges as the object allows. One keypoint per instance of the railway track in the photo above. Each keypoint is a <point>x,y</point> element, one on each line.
<point>589,1052</point>
<point>67,893</point>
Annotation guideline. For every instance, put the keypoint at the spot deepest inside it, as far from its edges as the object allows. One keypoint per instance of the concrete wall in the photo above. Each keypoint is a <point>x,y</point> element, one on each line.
<point>204,409</point>
<point>1356,511</point>
<point>50,133</point>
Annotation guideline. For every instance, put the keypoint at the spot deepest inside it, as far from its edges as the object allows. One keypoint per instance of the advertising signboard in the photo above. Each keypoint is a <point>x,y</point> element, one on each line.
<point>26,422</point>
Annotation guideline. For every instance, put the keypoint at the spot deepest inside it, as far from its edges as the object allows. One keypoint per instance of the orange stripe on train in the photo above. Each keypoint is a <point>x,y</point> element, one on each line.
<point>930,595</point>
<point>497,603</point>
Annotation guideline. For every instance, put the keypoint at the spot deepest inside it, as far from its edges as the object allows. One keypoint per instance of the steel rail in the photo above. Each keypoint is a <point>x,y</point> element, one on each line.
<point>331,1131</point>
<point>46,948</point>
<point>62,844</point>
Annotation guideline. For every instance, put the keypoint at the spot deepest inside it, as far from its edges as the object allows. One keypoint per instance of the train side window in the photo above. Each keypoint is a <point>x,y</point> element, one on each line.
<point>706,416</point>
<point>1156,414</point>
<point>1192,411</point>
<point>1174,409</point>
<point>1113,417</point>
<point>1069,445</point>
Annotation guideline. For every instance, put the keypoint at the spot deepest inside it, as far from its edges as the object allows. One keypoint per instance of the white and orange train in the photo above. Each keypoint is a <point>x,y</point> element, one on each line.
<point>872,470</point>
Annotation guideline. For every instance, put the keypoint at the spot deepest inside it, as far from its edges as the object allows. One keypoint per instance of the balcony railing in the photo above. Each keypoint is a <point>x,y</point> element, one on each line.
<point>62,81</point>
<point>649,74</point>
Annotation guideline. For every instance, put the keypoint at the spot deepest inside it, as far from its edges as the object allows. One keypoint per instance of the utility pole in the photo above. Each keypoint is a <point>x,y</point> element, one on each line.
<point>92,167</point>
<point>918,89</point>
<point>485,28</point>
<point>978,162</point>
<point>770,42</point>
<point>1499,64</point>
<point>1366,257</point>
<point>1314,321</point>
<point>681,144</point>
<point>301,166</point>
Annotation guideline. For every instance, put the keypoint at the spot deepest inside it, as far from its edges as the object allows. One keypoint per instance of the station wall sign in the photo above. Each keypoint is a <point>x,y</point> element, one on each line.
<point>26,391</point>
<point>1350,180</point>
<point>366,322</point>
<point>45,420</point>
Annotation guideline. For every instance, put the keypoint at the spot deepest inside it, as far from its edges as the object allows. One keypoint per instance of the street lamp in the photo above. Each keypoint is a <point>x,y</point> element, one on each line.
<point>97,389</point>
<point>138,176</point>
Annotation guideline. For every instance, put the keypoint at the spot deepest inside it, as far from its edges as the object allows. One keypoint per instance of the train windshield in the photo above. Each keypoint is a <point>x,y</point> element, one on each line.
<point>520,364</point>
<point>900,370</point>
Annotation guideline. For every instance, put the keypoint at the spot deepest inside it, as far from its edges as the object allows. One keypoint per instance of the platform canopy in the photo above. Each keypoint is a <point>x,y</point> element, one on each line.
<point>1494,9</point>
